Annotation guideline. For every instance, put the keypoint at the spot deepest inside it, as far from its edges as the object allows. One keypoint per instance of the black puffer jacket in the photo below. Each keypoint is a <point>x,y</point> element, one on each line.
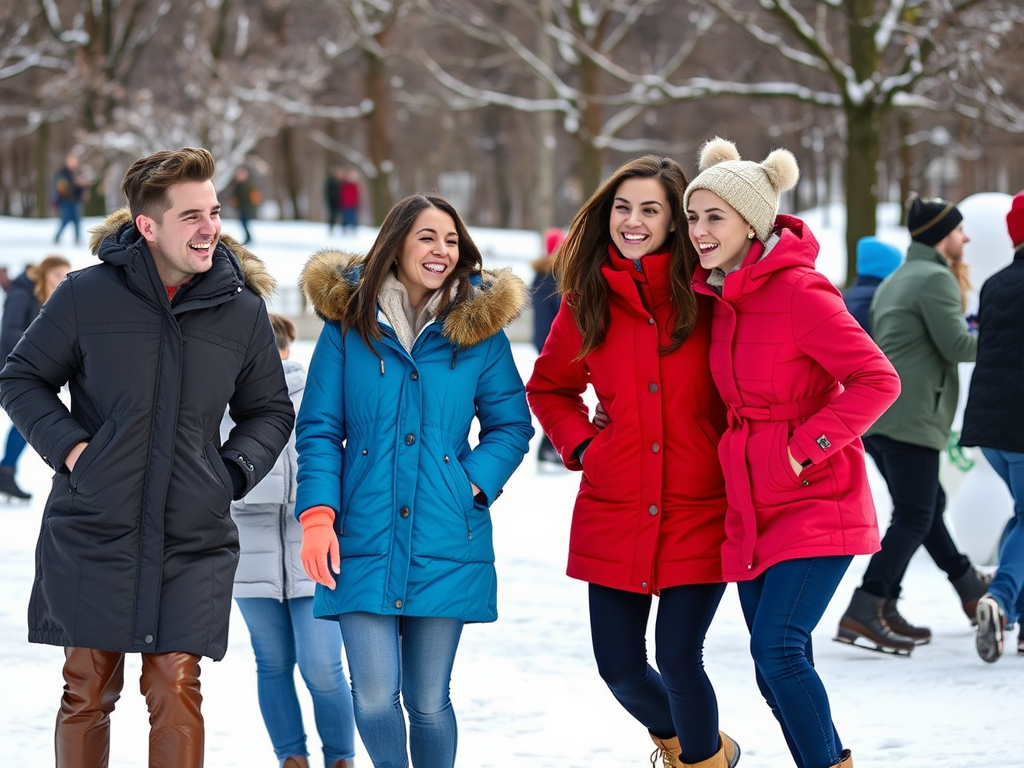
<point>994,417</point>
<point>20,309</point>
<point>137,551</point>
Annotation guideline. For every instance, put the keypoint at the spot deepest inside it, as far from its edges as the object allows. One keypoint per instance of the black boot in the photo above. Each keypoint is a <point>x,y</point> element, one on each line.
<point>10,488</point>
<point>899,625</point>
<point>971,586</point>
<point>864,626</point>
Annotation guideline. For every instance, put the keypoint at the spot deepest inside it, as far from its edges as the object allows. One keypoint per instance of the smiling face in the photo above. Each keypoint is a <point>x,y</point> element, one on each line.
<point>429,254</point>
<point>721,236</point>
<point>183,238</point>
<point>641,219</point>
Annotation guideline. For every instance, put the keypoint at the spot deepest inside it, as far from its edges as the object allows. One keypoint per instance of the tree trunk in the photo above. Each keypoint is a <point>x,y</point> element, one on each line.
<point>863,126</point>
<point>291,171</point>
<point>543,194</point>
<point>42,172</point>
<point>591,156</point>
<point>378,137</point>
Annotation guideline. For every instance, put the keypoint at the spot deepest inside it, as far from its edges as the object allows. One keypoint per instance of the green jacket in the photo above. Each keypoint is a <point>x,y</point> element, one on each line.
<point>918,322</point>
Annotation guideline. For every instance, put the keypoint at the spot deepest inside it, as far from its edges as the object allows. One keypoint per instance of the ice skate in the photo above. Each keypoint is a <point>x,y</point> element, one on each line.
<point>9,490</point>
<point>991,629</point>
<point>899,625</point>
<point>864,626</point>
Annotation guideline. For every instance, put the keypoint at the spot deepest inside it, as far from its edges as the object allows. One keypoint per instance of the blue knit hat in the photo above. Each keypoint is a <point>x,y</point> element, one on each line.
<point>877,259</point>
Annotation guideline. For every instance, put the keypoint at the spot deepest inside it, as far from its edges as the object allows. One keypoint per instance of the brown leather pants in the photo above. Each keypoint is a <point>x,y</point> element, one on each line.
<point>92,685</point>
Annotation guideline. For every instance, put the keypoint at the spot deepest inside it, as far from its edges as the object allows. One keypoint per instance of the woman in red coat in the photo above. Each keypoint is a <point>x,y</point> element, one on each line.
<point>650,511</point>
<point>801,381</point>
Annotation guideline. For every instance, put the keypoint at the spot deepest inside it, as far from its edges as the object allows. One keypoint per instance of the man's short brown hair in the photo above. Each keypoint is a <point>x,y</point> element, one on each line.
<point>146,183</point>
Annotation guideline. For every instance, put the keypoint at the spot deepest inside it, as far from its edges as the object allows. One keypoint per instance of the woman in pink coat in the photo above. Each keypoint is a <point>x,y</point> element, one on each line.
<point>650,512</point>
<point>801,381</point>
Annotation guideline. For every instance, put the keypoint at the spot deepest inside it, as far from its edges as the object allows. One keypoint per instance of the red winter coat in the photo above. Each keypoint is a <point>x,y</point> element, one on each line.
<point>795,370</point>
<point>651,504</point>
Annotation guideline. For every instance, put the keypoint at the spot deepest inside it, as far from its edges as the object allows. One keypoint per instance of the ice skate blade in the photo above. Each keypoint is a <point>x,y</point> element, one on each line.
<point>857,641</point>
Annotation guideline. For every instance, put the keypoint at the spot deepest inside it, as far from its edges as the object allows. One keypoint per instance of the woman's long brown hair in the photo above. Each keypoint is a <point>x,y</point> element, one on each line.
<point>360,311</point>
<point>579,259</point>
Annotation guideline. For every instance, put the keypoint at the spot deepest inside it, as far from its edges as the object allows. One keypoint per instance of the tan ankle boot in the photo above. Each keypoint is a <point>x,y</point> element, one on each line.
<point>343,763</point>
<point>170,683</point>
<point>296,761</point>
<point>668,750</point>
<point>730,748</point>
<point>845,760</point>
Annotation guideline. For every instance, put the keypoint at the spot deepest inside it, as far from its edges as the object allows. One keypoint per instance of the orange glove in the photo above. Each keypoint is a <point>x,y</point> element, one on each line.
<point>320,553</point>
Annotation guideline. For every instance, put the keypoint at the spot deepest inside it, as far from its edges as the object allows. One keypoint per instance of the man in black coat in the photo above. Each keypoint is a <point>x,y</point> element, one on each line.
<point>137,551</point>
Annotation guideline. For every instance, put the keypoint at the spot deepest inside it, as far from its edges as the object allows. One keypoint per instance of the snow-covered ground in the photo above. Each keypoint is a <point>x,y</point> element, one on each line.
<point>525,689</point>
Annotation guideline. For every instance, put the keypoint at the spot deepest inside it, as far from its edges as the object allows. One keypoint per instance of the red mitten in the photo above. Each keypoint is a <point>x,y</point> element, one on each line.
<point>320,553</point>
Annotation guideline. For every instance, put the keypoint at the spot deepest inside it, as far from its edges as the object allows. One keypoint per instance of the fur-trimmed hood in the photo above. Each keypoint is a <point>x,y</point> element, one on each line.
<point>330,277</point>
<point>120,226</point>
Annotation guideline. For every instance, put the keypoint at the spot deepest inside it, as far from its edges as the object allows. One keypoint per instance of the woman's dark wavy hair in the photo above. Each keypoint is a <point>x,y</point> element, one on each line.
<point>360,311</point>
<point>580,258</point>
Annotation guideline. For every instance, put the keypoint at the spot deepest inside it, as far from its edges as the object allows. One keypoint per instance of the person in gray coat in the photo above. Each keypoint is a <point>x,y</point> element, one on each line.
<point>275,597</point>
<point>137,551</point>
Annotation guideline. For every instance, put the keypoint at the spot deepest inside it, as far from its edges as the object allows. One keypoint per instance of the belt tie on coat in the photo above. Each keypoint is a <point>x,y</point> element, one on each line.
<point>739,418</point>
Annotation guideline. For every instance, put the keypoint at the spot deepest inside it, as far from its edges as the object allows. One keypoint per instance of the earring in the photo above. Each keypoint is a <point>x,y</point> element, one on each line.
<point>750,235</point>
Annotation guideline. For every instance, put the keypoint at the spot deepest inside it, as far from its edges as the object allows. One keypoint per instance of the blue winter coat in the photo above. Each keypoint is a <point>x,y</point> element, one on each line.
<point>385,442</point>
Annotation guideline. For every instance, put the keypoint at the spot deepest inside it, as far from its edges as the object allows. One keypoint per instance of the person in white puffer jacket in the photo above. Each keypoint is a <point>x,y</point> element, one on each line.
<point>275,597</point>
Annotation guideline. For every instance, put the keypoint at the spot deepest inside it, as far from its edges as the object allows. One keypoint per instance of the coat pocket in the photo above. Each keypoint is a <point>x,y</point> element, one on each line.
<point>97,445</point>
<point>220,472</point>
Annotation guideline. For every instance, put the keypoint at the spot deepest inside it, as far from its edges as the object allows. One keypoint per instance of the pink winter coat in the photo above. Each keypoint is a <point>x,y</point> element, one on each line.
<point>650,511</point>
<point>795,371</point>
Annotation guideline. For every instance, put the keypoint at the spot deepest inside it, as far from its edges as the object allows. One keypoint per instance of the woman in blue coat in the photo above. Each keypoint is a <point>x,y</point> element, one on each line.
<point>393,498</point>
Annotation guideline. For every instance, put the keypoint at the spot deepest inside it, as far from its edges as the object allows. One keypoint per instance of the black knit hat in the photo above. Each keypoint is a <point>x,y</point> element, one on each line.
<point>931,219</point>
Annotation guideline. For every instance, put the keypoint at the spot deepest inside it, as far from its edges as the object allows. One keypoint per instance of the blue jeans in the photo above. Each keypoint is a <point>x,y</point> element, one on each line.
<point>15,445</point>
<point>406,659</point>
<point>286,633</point>
<point>70,213</point>
<point>678,700</point>
<point>781,607</point>
<point>1009,579</point>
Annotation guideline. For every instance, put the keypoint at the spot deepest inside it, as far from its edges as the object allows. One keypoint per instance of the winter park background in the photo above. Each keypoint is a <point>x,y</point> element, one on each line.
<point>525,689</point>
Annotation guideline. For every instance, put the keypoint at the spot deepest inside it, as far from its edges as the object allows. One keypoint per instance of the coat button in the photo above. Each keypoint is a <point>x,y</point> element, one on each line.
<point>414,376</point>
<point>148,639</point>
<point>652,387</point>
<point>643,584</point>
<point>655,447</point>
<point>398,603</point>
<point>404,511</point>
<point>806,482</point>
<point>653,509</point>
<point>410,439</point>
<point>650,321</point>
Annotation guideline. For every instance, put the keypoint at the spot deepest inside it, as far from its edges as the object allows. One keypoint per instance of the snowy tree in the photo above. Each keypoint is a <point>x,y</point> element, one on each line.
<point>867,58</point>
<point>600,64</point>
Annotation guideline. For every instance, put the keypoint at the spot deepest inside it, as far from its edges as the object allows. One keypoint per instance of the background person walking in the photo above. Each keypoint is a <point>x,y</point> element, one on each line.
<point>25,297</point>
<point>994,420</point>
<point>275,597</point>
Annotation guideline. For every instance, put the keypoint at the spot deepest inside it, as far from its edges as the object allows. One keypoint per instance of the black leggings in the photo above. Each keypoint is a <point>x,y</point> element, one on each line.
<point>678,701</point>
